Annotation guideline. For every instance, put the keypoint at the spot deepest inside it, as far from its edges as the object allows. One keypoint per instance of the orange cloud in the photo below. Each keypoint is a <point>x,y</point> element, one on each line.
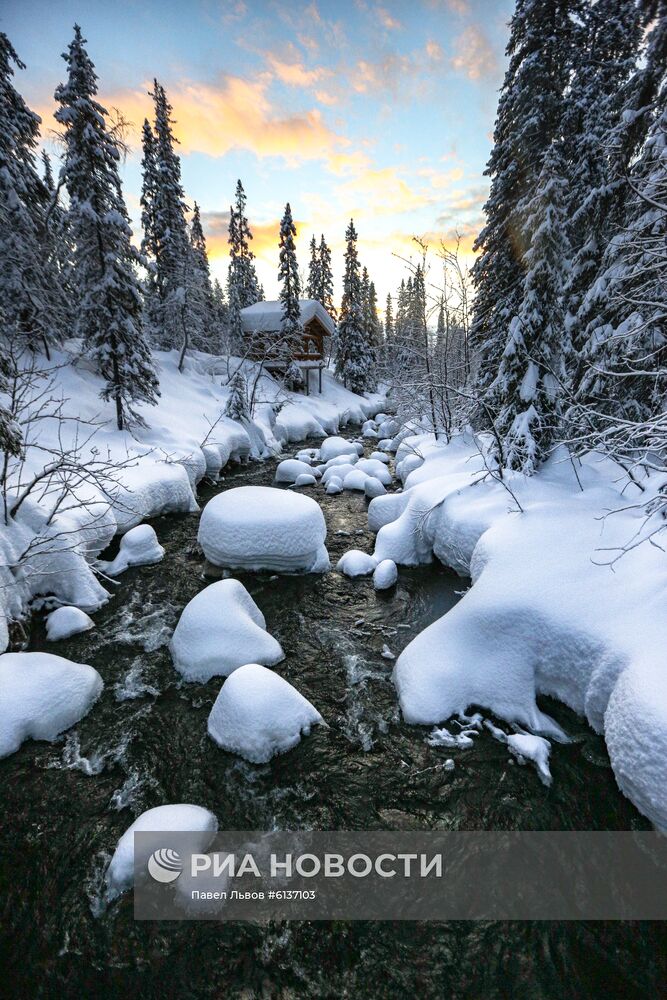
<point>295,74</point>
<point>381,192</point>
<point>264,243</point>
<point>386,19</point>
<point>434,50</point>
<point>238,114</point>
<point>475,57</point>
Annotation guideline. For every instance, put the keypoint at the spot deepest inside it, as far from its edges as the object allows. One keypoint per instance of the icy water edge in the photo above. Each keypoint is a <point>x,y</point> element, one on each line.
<point>145,743</point>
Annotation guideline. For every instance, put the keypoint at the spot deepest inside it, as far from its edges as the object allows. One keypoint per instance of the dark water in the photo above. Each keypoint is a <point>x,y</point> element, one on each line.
<point>145,744</point>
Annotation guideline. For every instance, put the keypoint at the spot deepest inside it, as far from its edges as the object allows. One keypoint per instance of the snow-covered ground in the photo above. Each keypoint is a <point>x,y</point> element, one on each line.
<point>157,467</point>
<point>551,610</point>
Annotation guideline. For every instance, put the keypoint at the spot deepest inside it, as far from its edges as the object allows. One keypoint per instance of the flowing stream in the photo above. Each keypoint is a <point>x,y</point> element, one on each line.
<point>145,743</point>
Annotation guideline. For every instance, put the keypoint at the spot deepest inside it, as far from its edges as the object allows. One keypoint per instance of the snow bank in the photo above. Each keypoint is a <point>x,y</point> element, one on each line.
<point>181,818</point>
<point>259,714</point>
<point>42,695</point>
<point>259,527</point>
<point>546,614</point>
<point>67,621</point>
<point>139,547</point>
<point>219,630</point>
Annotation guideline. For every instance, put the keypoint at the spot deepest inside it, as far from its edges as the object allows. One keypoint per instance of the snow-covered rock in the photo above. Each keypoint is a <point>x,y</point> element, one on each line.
<point>356,563</point>
<point>150,489</point>
<point>163,820</point>
<point>389,428</point>
<point>370,434</point>
<point>385,444</point>
<point>42,695</point>
<point>380,456</point>
<point>332,447</point>
<point>535,749</point>
<point>305,480</point>
<point>350,458</point>
<point>67,621</point>
<point>289,470</point>
<point>374,488</point>
<point>337,472</point>
<point>220,630</point>
<point>259,527</point>
<point>139,547</point>
<point>377,469</point>
<point>308,455</point>
<point>334,486</point>
<point>259,714</point>
<point>355,479</point>
<point>385,575</point>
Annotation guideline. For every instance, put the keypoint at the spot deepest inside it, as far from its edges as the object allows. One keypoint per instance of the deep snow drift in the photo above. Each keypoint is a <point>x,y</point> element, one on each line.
<point>258,527</point>
<point>42,695</point>
<point>219,630</point>
<point>259,714</point>
<point>547,613</point>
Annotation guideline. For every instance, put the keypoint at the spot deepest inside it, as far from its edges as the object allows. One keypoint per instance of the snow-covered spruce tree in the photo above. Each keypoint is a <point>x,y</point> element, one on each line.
<point>528,390</point>
<point>630,113</point>
<point>353,362</point>
<point>314,285</point>
<point>149,244</point>
<point>205,335</point>
<point>220,317</point>
<point>173,254</point>
<point>57,259</point>
<point>27,281</point>
<point>389,322</point>
<point>326,295</point>
<point>243,287</point>
<point>626,357</point>
<point>606,52</point>
<point>104,278</point>
<point>370,323</point>
<point>440,331</point>
<point>10,432</point>
<point>529,113</point>
<point>237,405</point>
<point>290,289</point>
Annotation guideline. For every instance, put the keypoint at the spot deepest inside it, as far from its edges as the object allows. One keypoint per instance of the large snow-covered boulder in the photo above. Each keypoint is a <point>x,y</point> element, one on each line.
<point>332,447</point>
<point>356,563</point>
<point>259,714</point>
<point>290,470</point>
<point>355,479</point>
<point>260,527</point>
<point>180,818</point>
<point>350,458</point>
<point>139,547</point>
<point>337,472</point>
<point>220,630</point>
<point>67,621</point>
<point>42,695</point>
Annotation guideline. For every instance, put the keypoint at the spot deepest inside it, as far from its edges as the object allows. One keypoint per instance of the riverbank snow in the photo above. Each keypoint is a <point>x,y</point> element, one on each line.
<point>548,613</point>
<point>153,469</point>
<point>42,695</point>
<point>220,630</point>
<point>259,527</point>
<point>180,818</point>
<point>258,714</point>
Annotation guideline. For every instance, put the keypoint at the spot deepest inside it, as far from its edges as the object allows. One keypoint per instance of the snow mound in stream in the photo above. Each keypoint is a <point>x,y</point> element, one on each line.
<point>290,470</point>
<point>67,621</point>
<point>260,527</point>
<point>42,695</point>
<point>180,818</point>
<point>333,447</point>
<point>259,714</point>
<point>139,547</point>
<point>220,630</point>
<point>356,563</point>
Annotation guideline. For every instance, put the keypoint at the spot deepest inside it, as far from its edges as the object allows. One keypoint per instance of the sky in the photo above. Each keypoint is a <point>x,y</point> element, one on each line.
<point>345,108</point>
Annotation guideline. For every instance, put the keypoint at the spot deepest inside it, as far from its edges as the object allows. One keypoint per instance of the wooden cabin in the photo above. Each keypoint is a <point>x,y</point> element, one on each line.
<point>262,325</point>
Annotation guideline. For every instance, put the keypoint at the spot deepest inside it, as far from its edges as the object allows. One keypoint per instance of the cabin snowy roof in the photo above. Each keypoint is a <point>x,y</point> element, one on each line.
<point>267,317</point>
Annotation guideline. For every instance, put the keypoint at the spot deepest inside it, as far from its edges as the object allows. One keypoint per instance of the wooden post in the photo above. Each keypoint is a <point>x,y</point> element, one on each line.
<point>320,371</point>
